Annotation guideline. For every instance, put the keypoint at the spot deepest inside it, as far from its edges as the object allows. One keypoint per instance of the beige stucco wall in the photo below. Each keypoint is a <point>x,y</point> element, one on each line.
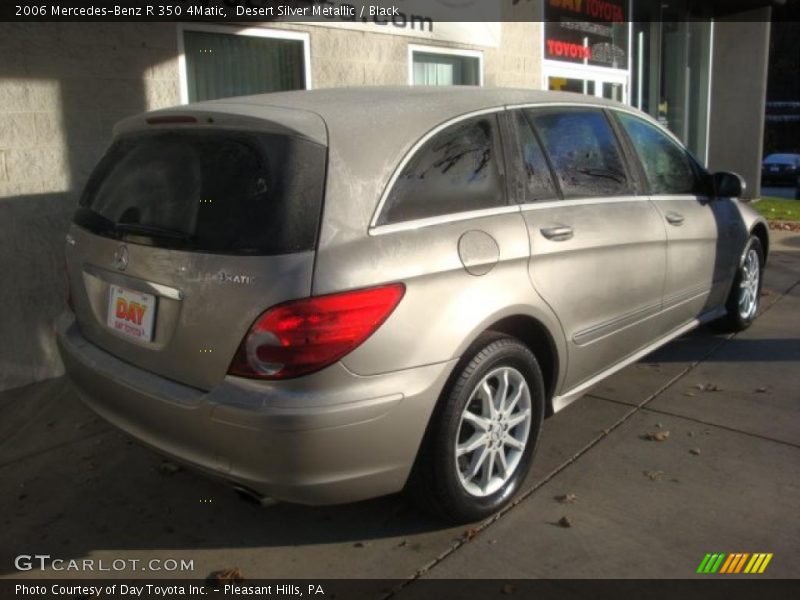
<point>64,85</point>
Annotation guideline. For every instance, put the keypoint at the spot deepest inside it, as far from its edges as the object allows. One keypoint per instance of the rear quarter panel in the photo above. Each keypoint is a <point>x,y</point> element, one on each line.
<point>445,307</point>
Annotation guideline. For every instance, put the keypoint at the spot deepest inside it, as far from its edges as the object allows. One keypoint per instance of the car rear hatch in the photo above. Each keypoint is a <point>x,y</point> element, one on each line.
<point>192,224</point>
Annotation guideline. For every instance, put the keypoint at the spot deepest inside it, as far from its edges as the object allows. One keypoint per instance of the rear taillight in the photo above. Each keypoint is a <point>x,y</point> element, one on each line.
<point>304,336</point>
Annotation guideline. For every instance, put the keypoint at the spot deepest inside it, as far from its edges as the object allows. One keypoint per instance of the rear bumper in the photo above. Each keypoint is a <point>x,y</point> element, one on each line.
<point>327,438</point>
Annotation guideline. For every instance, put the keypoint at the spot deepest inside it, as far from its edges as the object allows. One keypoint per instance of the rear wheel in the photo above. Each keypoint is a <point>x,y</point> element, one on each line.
<point>743,300</point>
<point>482,437</point>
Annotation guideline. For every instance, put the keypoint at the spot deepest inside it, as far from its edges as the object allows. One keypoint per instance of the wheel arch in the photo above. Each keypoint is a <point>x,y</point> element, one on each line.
<point>538,339</point>
<point>760,231</point>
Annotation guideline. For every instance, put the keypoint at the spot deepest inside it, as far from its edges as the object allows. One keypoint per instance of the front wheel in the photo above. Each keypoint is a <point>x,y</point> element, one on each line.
<point>482,436</point>
<point>743,300</point>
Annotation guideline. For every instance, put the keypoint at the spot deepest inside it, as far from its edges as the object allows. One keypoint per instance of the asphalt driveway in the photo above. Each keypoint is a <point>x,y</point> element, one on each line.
<point>726,478</point>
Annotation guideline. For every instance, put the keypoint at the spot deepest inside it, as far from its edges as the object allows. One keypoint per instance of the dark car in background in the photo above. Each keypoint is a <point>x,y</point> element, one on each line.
<point>780,169</point>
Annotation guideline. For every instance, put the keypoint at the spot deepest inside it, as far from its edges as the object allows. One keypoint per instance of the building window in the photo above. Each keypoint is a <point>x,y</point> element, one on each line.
<point>443,66</point>
<point>219,62</point>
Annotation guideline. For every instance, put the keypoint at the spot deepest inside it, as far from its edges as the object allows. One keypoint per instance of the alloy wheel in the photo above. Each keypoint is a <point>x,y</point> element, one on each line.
<point>493,431</point>
<point>749,285</point>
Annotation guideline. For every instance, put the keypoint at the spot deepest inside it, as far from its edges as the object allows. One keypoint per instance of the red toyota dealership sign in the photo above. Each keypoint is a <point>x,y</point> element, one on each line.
<point>591,31</point>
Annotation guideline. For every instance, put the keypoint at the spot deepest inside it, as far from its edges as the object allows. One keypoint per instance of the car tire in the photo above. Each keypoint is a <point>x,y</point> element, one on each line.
<point>744,298</point>
<point>483,434</point>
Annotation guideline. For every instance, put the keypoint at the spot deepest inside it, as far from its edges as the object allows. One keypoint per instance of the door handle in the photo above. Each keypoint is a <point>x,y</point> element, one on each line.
<point>674,218</point>
<point>559,233</point>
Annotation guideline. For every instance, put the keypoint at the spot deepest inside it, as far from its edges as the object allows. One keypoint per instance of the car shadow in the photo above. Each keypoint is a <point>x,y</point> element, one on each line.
<point>736,349</point>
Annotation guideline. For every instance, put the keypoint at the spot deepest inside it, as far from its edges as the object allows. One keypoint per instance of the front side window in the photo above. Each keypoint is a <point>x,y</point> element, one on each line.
<point>667,166</point>
<point>455,171</point>
<point>221,65</point>
<point>583,151</point>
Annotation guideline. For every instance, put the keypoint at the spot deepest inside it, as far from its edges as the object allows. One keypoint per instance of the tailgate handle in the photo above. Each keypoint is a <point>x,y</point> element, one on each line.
<point>559,233</point>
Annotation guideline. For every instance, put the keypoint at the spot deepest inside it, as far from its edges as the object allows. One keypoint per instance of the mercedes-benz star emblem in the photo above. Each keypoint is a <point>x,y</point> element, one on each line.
<point>121,258</point>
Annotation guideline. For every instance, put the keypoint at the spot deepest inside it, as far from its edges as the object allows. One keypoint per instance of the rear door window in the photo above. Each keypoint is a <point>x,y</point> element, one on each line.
<point>583,150</point>
<point>219,192</point>
<point>457,170</point>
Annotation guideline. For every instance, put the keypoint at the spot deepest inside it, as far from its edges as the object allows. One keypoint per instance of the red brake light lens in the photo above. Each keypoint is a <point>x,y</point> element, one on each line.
<point>303,336</point>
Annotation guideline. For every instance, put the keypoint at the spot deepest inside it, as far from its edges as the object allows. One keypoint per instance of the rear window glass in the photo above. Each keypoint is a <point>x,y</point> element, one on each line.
<point>219,192</point>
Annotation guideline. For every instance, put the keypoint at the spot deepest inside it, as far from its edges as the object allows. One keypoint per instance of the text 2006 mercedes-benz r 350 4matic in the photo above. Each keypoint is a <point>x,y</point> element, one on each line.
<point>326,296</point>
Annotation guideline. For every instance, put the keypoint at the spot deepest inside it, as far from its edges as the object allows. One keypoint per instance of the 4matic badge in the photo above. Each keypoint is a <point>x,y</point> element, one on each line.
<point>223,277</point>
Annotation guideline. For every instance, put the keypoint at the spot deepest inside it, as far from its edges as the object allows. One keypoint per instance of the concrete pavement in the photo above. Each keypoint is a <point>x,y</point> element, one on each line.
<point>727,479</point>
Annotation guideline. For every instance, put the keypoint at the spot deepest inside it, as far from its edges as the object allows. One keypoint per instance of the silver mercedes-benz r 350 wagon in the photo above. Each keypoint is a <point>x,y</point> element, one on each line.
<point>326,296</point>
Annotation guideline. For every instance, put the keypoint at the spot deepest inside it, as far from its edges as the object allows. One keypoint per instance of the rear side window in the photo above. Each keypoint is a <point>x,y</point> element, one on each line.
<point>455,171</point>
<point>219,192</point>
<point>668,167</point>
<point>583,151</point>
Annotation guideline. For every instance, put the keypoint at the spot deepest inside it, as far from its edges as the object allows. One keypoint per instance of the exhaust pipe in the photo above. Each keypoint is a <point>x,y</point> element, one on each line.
<point>253,497</point>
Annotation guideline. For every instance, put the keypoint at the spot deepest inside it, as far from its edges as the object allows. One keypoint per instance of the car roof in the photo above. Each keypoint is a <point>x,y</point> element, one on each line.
<point>437,102</point>
<point>403,111</point>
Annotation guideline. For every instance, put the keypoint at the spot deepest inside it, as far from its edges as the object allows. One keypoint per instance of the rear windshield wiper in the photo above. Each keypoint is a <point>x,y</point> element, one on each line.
<point>151,231</point>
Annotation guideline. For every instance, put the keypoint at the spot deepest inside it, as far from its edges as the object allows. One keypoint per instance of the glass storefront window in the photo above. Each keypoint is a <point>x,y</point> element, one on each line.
<point>570,84</point>
<point>671,69</point>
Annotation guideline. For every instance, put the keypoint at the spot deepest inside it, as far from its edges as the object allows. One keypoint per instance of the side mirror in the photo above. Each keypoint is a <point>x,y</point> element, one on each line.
<point>729,185</point>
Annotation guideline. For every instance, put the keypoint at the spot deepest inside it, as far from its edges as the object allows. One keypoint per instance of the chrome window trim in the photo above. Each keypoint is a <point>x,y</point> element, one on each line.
<point>373,224</point>
<point>443,219</point>
<point>545,204</point>
<point>683,197</point>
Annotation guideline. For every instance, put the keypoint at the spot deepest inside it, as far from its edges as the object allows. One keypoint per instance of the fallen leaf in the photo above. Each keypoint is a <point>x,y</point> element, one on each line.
<point>565,522</point>
<point>492,542</point>
<point>708,387</point>
<point>508,589</point>
<point>691,394</point>
<point>567,498</point>
<point>695,451</point>
<point>469,534</point>
<point>656,436</point>
<point>402,544</point>
<point>761,390</point>
<point>360,544</point>
<point>654,475</point>
<point>223,576</point>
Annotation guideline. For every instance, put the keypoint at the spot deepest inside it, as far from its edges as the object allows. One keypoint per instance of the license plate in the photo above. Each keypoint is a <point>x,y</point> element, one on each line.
<point>131,313</point>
